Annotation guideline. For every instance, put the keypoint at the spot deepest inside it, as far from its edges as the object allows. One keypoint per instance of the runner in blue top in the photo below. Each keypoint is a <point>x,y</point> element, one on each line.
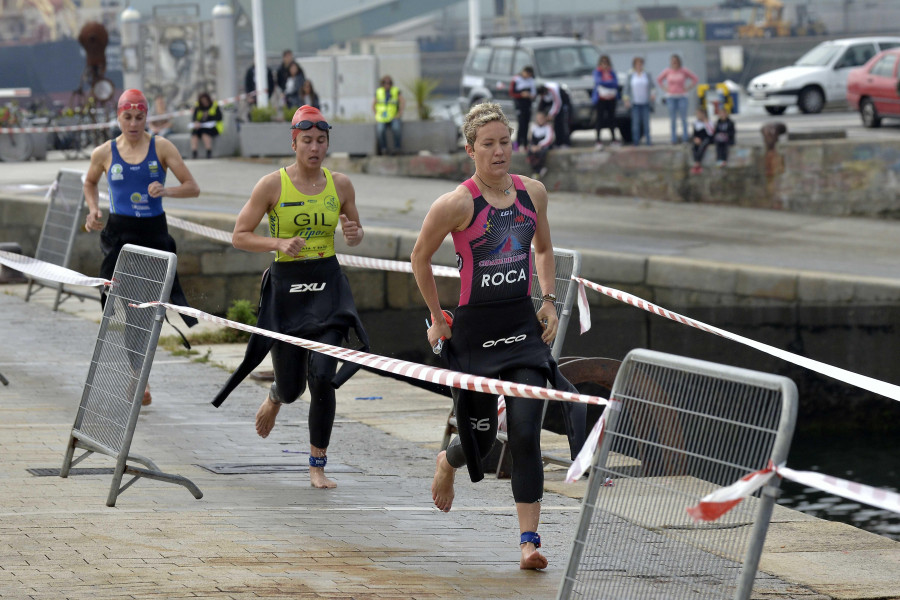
<point>135,164</point>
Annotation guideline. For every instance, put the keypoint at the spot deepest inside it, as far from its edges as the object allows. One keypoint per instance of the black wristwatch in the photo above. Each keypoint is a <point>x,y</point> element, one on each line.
<point>549,297</point>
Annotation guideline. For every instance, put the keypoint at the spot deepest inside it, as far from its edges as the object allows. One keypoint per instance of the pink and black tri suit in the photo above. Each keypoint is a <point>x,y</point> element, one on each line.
<point>496,334</point>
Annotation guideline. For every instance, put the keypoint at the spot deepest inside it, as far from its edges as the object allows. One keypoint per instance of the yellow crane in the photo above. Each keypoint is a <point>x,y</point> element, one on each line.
<point>771,25</point>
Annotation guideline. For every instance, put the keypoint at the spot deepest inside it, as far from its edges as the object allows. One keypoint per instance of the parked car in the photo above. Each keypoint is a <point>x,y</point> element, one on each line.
<point>819,77</point>
<point>492,64</point>
<point>874,89</point>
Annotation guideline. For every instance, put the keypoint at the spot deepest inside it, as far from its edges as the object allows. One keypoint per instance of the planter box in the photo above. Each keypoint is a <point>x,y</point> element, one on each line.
<point>437,137</point>
<point>359,139</point>
<point>355,139</point>
<point>266,139</point>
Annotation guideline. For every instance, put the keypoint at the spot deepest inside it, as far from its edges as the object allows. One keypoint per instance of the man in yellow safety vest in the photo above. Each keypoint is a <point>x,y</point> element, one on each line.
<point>388,107</point>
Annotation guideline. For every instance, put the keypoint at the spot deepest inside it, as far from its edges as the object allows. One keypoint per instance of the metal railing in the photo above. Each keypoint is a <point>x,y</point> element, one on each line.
<point>63,219</point>
<point>678,429</point>
<point>120,367</point>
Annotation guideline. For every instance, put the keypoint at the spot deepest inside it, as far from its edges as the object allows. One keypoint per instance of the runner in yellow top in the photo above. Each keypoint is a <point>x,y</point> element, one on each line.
<point>311,218</point>
<point>304,292</point>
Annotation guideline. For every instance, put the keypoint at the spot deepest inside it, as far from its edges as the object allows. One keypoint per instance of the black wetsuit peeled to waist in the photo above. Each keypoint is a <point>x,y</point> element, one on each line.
<point>307,299</point>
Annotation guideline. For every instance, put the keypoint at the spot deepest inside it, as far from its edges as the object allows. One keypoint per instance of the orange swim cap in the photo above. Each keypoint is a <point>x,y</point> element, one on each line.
<point>132,99</point>
<point>306,117</point>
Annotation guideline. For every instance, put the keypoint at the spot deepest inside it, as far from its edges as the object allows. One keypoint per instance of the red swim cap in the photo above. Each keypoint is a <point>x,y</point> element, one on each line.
<point>306,117</point>
<point>132,99</point>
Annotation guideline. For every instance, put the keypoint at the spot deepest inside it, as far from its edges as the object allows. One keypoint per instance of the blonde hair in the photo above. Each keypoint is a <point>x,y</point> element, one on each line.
<point>479,116</point>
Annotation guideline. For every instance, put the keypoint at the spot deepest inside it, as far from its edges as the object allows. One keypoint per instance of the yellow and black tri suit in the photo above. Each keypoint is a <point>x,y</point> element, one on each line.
<point>313,218</point>
<point>306,296</point>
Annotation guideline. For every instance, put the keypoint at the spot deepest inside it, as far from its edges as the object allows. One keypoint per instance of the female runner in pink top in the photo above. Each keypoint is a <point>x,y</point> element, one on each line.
<point>494,218</point>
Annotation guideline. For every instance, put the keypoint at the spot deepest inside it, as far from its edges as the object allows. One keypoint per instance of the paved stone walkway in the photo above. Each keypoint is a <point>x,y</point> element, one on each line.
<point>267,535</point>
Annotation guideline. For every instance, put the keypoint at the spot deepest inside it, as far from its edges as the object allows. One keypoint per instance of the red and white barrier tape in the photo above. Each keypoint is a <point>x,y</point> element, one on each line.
<point>710,507</point>
<point>398,367</point>
<point>15,92</point>
<point>585,456</point>
<point>883,388</point>
<point>345,259</point>
<point>24,187</point>
<point>716,504</point>
<point>57,128</point>
<point>112,122</point>
<point>868,383</point>
<point>44,270</point>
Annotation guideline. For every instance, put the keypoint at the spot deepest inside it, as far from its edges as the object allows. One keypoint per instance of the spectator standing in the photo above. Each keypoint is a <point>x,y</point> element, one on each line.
<point>284,70</point>
<point>701,138</point>
<point>250,83</point>
<point>522,90</point>
<point>553,100</point>
<point>308,95</point>
<point>541,138</point>
<point>676,81</point>
<point>605,96</point>
<point>723,136</point>
<point>640,95</point>
<point>388,107</point>
<point>206,123</point>
<point>293,86</point>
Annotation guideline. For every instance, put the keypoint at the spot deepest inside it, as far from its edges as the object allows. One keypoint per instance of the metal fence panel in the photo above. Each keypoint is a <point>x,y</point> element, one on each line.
<point>121,363</point>
<point>681,429</point>
<point>568,264</point>
<point>63,219</point>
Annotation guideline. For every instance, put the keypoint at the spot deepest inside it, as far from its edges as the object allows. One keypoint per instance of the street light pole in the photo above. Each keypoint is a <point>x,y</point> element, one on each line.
<point>259,55</point>
<point>474,22</point>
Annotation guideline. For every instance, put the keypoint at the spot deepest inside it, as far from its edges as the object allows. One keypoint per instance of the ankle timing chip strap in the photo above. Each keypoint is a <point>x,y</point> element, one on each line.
<point>321,461</point>
<point>528,536</point>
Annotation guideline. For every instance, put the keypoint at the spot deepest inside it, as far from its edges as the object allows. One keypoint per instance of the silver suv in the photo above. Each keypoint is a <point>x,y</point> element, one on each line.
<point>492,64</point>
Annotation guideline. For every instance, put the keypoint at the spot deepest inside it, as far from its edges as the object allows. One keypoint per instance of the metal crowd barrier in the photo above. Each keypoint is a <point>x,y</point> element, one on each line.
<point>63,219</point>
<point>120,367</point>
<point>568,264</point>
<point>678,429</point>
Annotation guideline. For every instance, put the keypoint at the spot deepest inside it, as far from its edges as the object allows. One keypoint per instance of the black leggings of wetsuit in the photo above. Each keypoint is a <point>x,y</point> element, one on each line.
<point>294,367</point>
<point>523,419</point>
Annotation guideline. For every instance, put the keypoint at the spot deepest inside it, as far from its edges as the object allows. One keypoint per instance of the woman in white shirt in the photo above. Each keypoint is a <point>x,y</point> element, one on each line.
<point>639,95</point>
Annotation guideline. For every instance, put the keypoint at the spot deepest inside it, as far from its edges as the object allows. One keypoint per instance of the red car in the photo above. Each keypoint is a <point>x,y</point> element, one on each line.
<point>873,88</point>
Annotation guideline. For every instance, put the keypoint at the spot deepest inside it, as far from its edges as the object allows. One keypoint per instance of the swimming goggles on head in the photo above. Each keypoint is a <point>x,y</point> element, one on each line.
<point>133,105</point>
<point>304,125</point>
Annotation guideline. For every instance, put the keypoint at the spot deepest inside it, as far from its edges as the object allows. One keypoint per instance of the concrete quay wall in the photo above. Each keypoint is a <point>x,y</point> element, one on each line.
<point>821,177</point>
<point>844,320</point>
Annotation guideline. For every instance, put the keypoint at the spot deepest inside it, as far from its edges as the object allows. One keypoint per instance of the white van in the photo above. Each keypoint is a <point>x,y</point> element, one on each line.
<point>491,66</point>
<point>818,78</point>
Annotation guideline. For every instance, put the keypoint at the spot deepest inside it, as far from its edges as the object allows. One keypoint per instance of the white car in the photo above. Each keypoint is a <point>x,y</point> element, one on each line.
<point>819,77</point>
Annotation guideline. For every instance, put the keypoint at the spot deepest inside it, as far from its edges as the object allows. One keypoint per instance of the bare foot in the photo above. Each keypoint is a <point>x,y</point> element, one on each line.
<point>532,558</point>
<point>442,485</point>
<point>265,417</point>
<point>147,397</point>
<point>317,479</point>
